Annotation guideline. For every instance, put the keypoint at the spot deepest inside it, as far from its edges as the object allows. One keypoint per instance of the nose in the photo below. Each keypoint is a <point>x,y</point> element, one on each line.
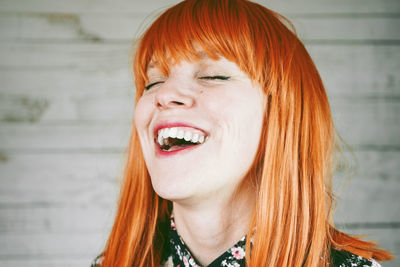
<point>172,95</point>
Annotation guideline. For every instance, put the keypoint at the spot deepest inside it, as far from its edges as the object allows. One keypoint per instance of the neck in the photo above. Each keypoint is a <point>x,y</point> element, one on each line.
<point>212,226</point>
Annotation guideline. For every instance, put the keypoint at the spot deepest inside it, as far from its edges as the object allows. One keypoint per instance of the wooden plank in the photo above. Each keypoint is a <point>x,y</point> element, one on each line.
<point>77,167</point>
<point>60,219</point>
<point>60,179</point>
<point>87,6</point>
<point>332,7</point>
<point>28,26</point>
<point>67,262</point>
<point>353,29</point>
<point>368,177</point>
<point>126,6</point>
<point>364,123</point>
<point>87,57</point>
<point>126,27</point>
<point>73,84</point>
<point>368,201</point>
<point>67,136</point>
<point>99,108</point>
<point>66,27</point>
<point>51,246</point>
<point>66,95</point>
<point>358,71</point>
<point>58,192</point>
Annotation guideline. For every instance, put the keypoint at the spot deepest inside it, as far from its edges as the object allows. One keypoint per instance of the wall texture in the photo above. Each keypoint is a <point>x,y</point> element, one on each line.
<point>66,97</point>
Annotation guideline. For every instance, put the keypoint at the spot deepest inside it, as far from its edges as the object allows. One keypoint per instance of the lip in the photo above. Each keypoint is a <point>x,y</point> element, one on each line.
<point>170,124</point>
<point>163,153</point>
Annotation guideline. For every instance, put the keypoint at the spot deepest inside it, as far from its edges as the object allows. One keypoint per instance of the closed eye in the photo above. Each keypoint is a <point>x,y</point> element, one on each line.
<point>147,87</point>
<point>217,77</point>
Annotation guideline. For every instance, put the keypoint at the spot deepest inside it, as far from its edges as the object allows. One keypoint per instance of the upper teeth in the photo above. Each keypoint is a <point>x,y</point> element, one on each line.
<point>179,133</point>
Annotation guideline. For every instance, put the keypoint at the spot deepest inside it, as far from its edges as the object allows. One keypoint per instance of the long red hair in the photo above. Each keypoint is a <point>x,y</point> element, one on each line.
<point>293,166</point>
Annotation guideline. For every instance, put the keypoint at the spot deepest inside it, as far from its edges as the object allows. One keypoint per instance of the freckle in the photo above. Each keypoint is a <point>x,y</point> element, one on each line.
<point>201,91</point>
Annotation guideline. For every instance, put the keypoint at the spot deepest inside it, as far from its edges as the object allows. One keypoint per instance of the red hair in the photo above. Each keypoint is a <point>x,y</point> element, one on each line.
<point>293,166</point>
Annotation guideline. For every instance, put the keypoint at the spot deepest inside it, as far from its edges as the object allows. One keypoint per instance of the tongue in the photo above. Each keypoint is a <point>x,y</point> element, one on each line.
<point>177,147</point>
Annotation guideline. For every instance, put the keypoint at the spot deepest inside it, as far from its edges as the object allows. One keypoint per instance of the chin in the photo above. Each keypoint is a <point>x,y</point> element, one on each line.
<point>172,189</point>
<point>174,195</point>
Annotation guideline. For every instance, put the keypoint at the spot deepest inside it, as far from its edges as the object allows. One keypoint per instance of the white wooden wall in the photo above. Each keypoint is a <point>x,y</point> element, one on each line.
<point>66,97</point>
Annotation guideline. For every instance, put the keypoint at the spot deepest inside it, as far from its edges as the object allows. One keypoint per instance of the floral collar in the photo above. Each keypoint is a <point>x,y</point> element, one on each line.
<point>176,254</point>
<point>180,256</point>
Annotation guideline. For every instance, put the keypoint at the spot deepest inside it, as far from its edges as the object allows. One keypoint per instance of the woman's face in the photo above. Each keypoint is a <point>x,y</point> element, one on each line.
<point>199,128</point>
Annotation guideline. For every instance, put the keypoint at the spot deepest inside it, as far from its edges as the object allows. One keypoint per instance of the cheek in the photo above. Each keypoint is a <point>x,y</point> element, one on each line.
<point>238,119</point>
<point>238,112</point>
<point>143,112</point>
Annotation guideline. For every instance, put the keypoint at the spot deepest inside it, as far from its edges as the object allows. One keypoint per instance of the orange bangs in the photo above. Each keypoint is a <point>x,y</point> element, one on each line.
<point>241,31</point>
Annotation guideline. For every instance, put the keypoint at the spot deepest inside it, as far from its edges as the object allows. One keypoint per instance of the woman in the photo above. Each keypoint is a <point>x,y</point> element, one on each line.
<point>230,157</point>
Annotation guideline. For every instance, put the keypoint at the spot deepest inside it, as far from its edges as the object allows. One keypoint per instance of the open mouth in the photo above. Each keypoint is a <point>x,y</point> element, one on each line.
<point>178,138</point>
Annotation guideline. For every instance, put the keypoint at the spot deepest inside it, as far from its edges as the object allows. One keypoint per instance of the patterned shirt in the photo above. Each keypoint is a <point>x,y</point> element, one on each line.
<point>176,254</point>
